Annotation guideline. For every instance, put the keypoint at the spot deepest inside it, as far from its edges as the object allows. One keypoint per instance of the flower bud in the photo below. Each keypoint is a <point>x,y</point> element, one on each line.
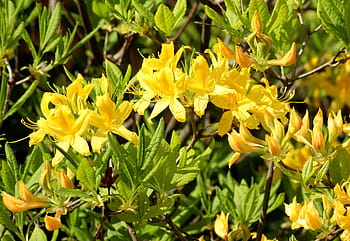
<point>295,122</point>
<point>286,60</point>
<point>242,59</point>
<point>274,146</point>
<point>256,24</point>
<point>239,144</point>
<point>28,196</point>
<point>17,205</point>
<point>65,181</point>
<point>334,126</point>
<point>233,159</point>
<point>221,225</point>
<point>224,50</point>
<point>45,177</point>
<point>318,141</point>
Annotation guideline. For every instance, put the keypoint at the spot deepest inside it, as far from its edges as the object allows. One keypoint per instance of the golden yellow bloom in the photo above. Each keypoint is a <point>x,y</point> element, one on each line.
<point>53,223</point>
<point>221,225</point>
<point>17,205</point>
<point>239,144</point>
<point>295,122</point>
<point>342,196</point>
<point>297,157</point>
<point>222,49</point>
<point>293,211</point>
<point>110,119</point>
<point>242,59</point>
<point>274,146</point>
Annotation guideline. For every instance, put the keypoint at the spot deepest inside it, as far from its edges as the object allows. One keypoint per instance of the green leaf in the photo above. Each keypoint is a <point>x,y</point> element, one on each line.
<point>86,174</point>
<point>53,25</point>
<point>116,77</point>
<point>153,147</point>
<point>278,16</point>
<point>235,7</point>
<point>11,160</point>
<point>22,99</point>
<point>99,8</point>
<point>276,203</point>
<point>38,234</point>
<point>322,172</point>
<point>308,170</point>
<point>165,20</point>
<point>70,192</point>
<point>339,168</point>
<point>8,178</point>
<point>347,22</point>
<point>143,11</point>
<point>5,218</point>
<point>179,10</point>
<point>331,14</point>
<point>261,6</point>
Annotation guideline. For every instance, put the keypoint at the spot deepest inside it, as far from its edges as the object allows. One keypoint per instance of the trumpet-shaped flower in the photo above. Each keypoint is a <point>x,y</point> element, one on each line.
<point>110,119</point>
<point>202,83</point>
<point>17,205</point>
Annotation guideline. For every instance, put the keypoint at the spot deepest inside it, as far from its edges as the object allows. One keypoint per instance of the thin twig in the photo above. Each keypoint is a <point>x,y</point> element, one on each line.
<point>188,20</point>
<point>332,235</point>
<point>263,215</point>
<point>132,231</point>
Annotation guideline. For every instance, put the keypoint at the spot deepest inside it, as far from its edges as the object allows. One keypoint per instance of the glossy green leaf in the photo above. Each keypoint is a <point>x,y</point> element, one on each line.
<point>86,174</point>
<point>8,178</point>
<point>179,10</point>
<point>308,170</point>
<point>11,160</point>
<point>278,16</point>
<point>165,20</point>
<point>331,14</point>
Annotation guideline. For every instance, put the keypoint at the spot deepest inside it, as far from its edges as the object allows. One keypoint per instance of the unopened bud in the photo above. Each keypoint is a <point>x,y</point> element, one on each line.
<point>256,24</point>
<point>274,146</point>
<point>45,177</point>
<point>224,50</point>
<point>295,122</point>
<point>17,205</point>
<point>286,60</point>
<point>65,181</point>
<point>242,59</point>
<point>27,196</point>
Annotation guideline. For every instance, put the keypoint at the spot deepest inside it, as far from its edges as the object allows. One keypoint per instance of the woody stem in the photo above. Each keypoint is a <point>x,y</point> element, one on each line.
<point>262,219</point>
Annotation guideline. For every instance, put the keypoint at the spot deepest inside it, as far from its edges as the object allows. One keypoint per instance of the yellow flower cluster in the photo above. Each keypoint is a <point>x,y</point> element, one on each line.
<point>67,118</point>
<point>335,212</point>
<point>214,80</point>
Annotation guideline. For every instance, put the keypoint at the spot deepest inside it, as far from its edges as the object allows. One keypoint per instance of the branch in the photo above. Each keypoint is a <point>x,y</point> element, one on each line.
<point>332,235</point>
<point>263,215</point>
<point>189,17</point>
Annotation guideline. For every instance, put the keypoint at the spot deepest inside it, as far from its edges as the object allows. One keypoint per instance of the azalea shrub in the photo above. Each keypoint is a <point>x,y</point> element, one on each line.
<point>174,120</point>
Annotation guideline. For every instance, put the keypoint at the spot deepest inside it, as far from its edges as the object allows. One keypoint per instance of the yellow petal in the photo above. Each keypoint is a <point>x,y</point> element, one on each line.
<point>27,196</point>
<point>127,134</point>
<point>52,223</point>
<point>81,146</point>
<point>177,110</point>
<point>233,159</point>
<point>17,205</point>
<point>200,104</point>
<point>256,24</point>
<point>159,107</point>
<point>225,123</point>
<point>221,225</point>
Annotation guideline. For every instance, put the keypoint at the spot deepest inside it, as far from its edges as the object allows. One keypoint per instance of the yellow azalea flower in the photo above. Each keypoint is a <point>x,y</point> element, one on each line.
<point>110,119</point>
<point>287,59</point>
<point>168,85</point>
<point>221,225</point>
<point>237,107</point>
<point>65,129</point>
<point>27,196</point>
<point>305,216</point>
<point>293,210</point>
<point>297,157</point>
<point>202,83</point>
<point>53,223</point>
<point>77,94</point>
<point>345,235</point>
<point>341,215</point>
<point>166,58</point>
<point>240,144</point>
<point>342,196</point>
<point>17,205</point>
